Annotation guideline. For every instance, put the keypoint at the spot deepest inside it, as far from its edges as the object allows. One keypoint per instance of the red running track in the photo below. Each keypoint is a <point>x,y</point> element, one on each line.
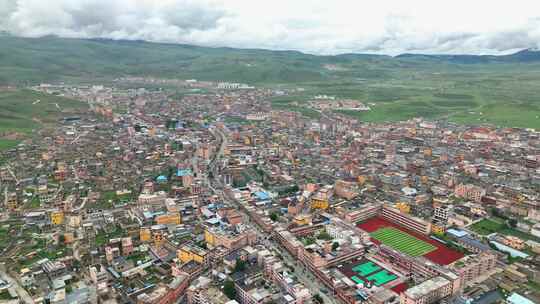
<point>442,255</point>
<point>399,288</point>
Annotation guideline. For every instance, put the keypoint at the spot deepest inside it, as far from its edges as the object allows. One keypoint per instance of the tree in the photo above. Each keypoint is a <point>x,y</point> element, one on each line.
<point>229,290</point>
<point>335,246</point>
<point>324,236</point>
<point>274,216</point>
<point>310,241</point>
<point>317,298</point>
<point>240,265</point>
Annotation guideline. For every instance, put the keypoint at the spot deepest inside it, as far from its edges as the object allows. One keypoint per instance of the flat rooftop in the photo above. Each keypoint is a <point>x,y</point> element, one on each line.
<point>426,287</point>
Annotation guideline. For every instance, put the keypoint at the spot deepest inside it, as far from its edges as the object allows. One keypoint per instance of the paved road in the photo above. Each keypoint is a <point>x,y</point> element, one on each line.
<point>303,274</point>
<point>23,294</point>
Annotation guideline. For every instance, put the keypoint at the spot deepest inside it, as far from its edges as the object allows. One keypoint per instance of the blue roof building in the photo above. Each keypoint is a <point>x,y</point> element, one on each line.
<point>183,172</point>
<point>261,195</point>
<point>457,233</point>
<point>516,298</point>
<point>513,252</point>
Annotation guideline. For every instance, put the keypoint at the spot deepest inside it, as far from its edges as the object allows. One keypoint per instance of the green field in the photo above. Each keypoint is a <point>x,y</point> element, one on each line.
<point>8,143</point>
<point>488,226</point>
<point>23,111</point>
<point>496,95</point>
<point>402,242</point>
<point>497,225</point>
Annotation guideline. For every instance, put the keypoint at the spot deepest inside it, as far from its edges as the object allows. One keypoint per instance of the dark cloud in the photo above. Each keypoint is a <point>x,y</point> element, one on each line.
<point>129,19</point>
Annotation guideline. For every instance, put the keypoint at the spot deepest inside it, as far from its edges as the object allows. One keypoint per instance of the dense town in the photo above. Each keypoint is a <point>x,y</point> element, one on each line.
<point>211,196</point>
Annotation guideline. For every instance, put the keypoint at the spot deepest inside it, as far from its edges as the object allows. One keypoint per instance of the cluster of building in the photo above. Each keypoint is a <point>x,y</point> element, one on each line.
<point>215,197</point>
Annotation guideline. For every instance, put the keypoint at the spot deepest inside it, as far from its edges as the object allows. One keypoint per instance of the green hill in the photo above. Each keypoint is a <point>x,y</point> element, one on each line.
<point>51,58</point>
<point>24,111</point>
<point>501,90</point>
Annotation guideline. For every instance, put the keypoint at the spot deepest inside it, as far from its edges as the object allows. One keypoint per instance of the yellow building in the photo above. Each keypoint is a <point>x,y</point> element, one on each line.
<point>12,202</point>
<point>403,207</point>
<point>57,217</point>
<point>158,239</point>
<point>145,235</point>
<point>209,237</point>
<point>361,180</point>
<point>317,203</point>
<point>302,219</point>
<point>69,238</point>
<point>437,229</point>
<point>190,253</point>
<point>169,219</point>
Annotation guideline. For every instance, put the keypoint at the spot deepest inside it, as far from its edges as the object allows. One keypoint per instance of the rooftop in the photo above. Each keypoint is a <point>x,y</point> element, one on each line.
<point>426,287</point>
<point>516,298</point>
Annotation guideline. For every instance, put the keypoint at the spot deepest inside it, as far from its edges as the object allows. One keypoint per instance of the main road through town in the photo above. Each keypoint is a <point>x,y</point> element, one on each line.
<point>301,272</point>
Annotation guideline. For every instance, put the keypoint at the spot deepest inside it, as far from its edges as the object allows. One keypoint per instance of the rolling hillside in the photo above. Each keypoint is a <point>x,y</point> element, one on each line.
<point>500,90</point>
<point>51,58</point>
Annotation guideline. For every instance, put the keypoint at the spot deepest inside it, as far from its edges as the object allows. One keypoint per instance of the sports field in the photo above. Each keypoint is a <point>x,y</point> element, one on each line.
<point>402,241</point>
<point>441,255</point>
<point>382,277</point>
<point>367,272</point>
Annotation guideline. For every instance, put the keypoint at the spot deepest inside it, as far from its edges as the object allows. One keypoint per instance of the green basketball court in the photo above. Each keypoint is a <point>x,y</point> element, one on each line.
<point>366,268</point>
<point>381,278</point>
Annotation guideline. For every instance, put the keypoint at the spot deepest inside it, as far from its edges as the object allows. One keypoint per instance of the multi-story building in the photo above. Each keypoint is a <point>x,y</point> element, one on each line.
<point>98,274</point>
<point>145,234</point>
<point>188,253</point>
<point>321,199</point>
<point>471,192</point>
<point>202,291</point>
<point>11,201</point>
<point>365,212</point>
<point>514,242</point>
<point>111,253</point>
<point>230,239</point>
<point>54,269</point>
<point>175,289</point>
<point>346,189</point>
<point>275,271</point>
<point>288,240</point>
<point>472,267</point>
<point>169,219</point>
<point>57,217</point>
<point>440,214</point>
<point>430,291</point>
<point>127,246</point>
<point>152,199</point>
<point>248,290</point>
<point>412,223</point>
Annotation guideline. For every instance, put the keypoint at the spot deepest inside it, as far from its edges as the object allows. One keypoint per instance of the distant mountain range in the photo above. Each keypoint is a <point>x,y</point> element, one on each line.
<point>523,56</point>
<point>33,60</point>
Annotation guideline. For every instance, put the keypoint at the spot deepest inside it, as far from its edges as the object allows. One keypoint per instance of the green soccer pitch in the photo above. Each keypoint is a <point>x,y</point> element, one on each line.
<point>402,241</point>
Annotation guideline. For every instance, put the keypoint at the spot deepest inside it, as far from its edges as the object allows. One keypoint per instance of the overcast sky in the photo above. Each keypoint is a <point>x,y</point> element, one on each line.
<point>312,26</point>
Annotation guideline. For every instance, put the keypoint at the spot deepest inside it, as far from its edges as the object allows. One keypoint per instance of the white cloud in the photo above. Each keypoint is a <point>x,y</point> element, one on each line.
<point>314,26</point>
